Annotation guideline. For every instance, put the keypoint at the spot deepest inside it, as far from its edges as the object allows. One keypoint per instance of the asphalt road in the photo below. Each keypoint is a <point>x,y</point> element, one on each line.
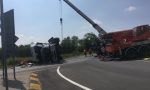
<point>97,75</point>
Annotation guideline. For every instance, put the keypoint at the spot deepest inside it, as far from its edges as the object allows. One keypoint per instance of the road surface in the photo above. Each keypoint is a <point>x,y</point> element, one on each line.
<point>94,74</point>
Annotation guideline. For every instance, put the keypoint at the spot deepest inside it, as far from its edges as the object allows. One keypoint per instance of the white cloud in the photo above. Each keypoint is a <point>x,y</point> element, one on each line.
<point>24,39</point>
<point>131,8</point>
<point>87,28</point>
<point>32,38</point>
<point>97,22</point>
<point>20,35</point>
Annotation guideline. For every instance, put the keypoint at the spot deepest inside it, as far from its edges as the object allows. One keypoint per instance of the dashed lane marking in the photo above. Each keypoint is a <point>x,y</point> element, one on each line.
<point>73,82</point>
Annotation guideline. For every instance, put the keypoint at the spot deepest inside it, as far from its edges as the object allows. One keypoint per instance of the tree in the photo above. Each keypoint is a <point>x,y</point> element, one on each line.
<point>90,40</point>
<point>74,42</point>
<point>80,45</point>
<point>66,45</point>
<point>23,51</point>
<point>69,45</point>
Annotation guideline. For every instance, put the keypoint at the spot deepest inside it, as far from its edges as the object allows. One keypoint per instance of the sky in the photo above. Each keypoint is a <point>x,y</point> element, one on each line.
<point>38,20</point>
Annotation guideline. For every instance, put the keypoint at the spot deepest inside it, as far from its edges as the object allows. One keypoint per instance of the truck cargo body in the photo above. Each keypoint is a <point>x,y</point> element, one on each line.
<point>46,53</point>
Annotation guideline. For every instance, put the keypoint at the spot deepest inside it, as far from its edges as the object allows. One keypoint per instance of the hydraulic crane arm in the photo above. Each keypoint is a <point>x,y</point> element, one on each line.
<point>96,26</point>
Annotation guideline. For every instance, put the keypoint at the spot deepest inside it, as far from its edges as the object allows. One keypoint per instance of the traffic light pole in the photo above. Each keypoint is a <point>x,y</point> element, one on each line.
<point>3,47</point>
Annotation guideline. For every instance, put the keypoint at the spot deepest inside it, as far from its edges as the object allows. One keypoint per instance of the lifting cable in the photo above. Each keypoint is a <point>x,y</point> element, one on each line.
<point>61,18</point>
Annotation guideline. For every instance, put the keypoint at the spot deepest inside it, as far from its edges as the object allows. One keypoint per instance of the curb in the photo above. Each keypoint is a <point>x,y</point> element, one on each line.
<point>34,83</point>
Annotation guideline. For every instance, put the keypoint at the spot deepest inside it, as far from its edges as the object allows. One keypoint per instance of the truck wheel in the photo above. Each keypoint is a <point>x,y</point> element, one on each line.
<point>131,53</point>
<point>144,51</point>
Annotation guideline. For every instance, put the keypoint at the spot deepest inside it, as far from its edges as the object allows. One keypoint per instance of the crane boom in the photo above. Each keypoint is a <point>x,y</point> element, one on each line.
<point>96,26</point>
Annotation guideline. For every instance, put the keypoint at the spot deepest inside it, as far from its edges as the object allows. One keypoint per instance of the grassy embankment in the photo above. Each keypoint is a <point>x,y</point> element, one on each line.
<point>19,59</point>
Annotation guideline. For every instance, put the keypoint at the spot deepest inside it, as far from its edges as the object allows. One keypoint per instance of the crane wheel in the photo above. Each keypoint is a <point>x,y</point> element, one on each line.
<point>131,53</point>
<point>144,51</point>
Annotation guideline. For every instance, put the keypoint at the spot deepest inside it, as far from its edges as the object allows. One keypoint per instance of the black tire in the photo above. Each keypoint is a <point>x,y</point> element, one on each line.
<point>131,54</point>
<point>144,51</point>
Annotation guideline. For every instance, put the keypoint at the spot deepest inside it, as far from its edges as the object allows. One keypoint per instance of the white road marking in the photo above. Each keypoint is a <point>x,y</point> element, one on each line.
<point>73,82</point>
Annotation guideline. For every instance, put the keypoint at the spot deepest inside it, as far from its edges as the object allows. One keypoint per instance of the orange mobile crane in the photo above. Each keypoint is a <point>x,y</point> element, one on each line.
<point>128,44</point>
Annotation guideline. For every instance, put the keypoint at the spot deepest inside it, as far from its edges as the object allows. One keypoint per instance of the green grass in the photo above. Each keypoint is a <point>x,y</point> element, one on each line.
<point>17,60</point>
<point>73,54</point>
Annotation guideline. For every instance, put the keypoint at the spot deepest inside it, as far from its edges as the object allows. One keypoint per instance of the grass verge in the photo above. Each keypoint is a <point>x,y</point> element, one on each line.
<point>73,54</point>
<point>18,60</point>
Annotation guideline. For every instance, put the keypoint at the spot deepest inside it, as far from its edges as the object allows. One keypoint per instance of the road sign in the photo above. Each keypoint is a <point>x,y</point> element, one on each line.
<point>15,38</point>
<point>10,37</point>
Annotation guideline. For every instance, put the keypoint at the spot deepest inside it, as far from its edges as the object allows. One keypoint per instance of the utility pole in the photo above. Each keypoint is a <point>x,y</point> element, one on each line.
<point>1,11</point>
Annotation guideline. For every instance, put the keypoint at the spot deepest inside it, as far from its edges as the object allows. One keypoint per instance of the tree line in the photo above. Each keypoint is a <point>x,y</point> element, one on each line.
<point>71,44</point>
<point>68,45</point>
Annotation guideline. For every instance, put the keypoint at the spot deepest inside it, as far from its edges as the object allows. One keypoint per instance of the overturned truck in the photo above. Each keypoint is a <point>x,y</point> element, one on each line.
<point>46,53</point>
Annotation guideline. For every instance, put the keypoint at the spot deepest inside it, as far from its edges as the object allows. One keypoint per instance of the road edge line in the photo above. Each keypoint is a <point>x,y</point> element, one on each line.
<point>73,82</point>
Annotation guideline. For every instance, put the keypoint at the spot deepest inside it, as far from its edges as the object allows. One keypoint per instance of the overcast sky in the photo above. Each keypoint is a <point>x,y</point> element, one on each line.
<point>38,20</point>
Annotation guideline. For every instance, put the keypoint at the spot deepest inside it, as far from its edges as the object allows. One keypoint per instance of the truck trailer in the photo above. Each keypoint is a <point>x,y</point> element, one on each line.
<point>47,53</point>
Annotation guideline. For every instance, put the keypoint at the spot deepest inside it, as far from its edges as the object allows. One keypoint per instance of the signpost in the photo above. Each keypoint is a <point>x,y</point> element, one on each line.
<point>5,77</point>
<point>8,40</point>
